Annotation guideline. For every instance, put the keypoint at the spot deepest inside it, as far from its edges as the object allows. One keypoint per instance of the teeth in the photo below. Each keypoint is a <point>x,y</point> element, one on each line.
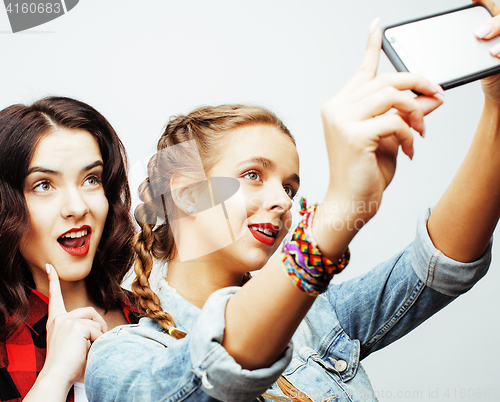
<point>267,232</point>
<point>74,235</point>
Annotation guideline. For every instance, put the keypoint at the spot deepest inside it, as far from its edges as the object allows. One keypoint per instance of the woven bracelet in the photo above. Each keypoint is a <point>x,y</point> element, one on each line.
<point>303,261</point>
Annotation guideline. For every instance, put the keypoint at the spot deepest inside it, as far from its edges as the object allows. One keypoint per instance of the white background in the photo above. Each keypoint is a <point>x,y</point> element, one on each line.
<point>141,61</point>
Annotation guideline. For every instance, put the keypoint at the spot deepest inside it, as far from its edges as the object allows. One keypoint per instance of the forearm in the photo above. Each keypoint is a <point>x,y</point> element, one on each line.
<point>465,217</point>
<point>46,389</point>
<point>262,317</point>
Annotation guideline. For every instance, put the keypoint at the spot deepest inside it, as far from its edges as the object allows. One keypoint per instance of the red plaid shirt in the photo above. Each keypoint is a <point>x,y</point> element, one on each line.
<point>23,355</point>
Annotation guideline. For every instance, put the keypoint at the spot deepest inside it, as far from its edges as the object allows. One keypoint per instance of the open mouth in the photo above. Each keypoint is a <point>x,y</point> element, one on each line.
<point>76,242</point>
<point>265,233</point>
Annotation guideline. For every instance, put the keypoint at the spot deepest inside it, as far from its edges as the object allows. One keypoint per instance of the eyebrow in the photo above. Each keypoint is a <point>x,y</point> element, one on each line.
<point>268,164</point>
<point>38,169</point>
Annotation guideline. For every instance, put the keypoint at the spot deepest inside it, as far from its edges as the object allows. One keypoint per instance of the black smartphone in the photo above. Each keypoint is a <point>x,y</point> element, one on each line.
<point>442,47</point>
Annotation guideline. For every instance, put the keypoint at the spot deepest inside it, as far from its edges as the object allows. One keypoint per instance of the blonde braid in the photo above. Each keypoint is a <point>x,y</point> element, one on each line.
<point>143,244</point>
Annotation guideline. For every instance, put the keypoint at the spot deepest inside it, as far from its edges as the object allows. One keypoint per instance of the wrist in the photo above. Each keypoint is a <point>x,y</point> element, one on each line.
<point>48,387</point>
<point>336,223</point>
<point>303,261</point>
<point>52,376</point>
<point>492,107</point>
<point>489,124</point>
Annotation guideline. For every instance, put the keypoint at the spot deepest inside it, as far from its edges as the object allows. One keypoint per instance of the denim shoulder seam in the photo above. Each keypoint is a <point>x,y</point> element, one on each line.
<point>401,311</point>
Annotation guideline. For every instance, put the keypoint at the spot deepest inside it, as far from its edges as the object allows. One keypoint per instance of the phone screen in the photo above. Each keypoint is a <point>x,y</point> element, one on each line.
<point>443,48</point>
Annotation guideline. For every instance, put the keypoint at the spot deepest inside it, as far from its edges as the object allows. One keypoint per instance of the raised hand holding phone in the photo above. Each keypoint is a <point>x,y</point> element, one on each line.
<point>363,140</point>
<point>69,335</point>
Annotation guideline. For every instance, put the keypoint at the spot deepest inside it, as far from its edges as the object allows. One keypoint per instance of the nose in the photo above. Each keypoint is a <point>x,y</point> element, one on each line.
<point>73,204</point>
<point>278,200</point>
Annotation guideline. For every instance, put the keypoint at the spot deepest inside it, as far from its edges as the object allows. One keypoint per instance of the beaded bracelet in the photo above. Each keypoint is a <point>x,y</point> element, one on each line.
<point>303,261</point>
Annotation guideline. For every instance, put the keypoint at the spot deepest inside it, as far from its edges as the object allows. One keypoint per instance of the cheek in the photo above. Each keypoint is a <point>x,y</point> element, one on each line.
<point>101,209</point>
<point>36,239</point>
<point>252,200</point>
<point>41,217</point>
<point>286,225</point>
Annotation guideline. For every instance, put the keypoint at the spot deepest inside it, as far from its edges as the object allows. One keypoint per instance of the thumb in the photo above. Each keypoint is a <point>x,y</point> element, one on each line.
<point>429,103</point>
<point>56,301</point>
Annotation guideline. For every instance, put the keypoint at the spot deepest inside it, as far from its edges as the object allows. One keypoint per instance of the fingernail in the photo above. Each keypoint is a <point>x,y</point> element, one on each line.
<point>483,31</point>
<point>439,89</point>
<point>495,50</point>
<point>423,131</point>
<point>47,268</point>
<point>373,26</point>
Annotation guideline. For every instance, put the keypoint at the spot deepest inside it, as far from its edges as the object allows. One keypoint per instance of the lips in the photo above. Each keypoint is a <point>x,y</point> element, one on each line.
<point>264,232</point>
<point>76,242</point>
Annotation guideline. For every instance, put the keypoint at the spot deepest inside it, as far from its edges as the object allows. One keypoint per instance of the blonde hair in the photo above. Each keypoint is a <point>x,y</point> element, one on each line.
<point>208,127</point>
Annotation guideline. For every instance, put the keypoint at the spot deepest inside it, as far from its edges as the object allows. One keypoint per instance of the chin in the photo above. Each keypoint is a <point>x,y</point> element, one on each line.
<point>71,271</point>
<point>73,276</point>
<point>255,260</point>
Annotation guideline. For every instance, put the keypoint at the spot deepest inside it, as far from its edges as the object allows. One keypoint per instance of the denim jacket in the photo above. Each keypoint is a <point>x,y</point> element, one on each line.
<point>344,325</point>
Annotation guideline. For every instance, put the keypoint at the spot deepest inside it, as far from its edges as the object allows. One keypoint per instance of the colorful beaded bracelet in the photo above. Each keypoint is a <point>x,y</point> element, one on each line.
<point>303,261</point>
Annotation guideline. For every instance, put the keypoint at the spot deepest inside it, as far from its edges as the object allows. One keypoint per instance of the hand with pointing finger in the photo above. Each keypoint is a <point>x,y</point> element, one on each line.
<point>68,339</point>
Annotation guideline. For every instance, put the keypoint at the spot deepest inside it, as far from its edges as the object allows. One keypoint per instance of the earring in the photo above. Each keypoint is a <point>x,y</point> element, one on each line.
<point>190,209</point>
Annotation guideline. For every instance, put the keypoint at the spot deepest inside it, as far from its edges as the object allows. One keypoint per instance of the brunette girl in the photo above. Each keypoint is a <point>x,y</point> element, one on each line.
<point>208,339</point>
<point>64,205</point>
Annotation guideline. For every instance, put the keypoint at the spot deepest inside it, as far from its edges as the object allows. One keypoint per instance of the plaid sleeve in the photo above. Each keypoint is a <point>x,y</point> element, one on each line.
<point>22,356</point>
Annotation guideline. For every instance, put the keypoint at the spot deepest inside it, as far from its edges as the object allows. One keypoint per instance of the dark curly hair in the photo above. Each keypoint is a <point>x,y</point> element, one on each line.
<point>21,129</point>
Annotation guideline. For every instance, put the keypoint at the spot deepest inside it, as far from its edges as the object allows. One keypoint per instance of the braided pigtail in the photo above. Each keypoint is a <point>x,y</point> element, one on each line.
<point>144,243</point>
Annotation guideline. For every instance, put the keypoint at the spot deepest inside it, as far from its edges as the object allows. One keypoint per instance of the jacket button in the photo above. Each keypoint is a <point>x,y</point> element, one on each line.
<point>339,365</point>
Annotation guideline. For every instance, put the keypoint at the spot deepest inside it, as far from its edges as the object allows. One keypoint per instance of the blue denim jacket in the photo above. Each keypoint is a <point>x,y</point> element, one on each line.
<point>345,324</point>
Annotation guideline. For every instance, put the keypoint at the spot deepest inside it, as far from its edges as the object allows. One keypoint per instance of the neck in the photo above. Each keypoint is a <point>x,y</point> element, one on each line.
<point>75,296</point>
<point>195,280</point>
<point>74,293</point>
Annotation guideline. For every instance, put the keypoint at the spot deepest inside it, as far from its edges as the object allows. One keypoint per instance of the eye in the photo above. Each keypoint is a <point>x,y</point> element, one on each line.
<point>252,175</point>
<point>42,187</point>
<point>92,180</point>
<point>289,191</point>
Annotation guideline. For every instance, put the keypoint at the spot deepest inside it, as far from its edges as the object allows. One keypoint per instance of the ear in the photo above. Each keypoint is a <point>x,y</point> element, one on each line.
<point>182,194</point>
<point>189,196</point>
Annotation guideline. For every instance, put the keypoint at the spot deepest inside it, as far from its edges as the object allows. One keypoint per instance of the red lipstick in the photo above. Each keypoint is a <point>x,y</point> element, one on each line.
<point>78,250</point>
<point>265,238</point>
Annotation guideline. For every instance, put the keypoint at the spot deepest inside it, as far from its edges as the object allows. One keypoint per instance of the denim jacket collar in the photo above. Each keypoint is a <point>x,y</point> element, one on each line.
<point>184,313</point>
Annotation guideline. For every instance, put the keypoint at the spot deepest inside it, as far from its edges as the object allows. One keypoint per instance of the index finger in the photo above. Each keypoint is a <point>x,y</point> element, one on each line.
<point>369,64</point>
<point>56,301</point>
